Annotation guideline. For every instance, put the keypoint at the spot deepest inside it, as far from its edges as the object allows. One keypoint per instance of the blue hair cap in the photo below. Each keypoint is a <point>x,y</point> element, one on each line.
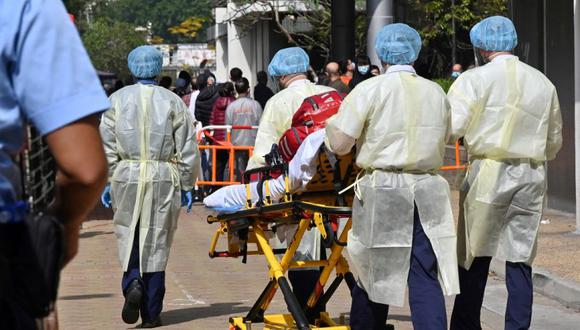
<point>398,43</point>
<point>145,62</point>
<point>289,61</point>
<point>495,33</point>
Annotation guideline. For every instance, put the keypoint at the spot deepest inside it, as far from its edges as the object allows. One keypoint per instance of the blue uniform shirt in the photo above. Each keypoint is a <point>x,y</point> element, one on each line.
<point>45,76</point>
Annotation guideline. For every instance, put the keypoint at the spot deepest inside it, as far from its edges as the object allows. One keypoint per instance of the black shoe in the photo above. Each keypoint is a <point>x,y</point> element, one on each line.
<point>152,324</point>
<point>132,304</point>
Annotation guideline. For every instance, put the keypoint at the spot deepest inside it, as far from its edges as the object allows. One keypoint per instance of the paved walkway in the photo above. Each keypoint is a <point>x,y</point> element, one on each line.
<point>203,293</point>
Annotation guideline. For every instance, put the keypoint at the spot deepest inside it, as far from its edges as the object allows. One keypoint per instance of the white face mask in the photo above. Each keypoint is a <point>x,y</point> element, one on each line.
<point>363,69</point>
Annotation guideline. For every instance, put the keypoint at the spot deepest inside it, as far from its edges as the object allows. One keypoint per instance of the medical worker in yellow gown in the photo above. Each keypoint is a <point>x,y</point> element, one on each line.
<point>150,144</point>
<point>402,232</point>
<point>509,116</point>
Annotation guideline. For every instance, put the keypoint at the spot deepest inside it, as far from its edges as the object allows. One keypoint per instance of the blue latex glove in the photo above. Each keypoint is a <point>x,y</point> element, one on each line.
<point>106,196</point>
<point>187,199</point>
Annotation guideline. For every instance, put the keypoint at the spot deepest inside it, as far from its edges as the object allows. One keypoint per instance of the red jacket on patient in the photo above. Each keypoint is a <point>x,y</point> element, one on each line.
<point>309,118</point>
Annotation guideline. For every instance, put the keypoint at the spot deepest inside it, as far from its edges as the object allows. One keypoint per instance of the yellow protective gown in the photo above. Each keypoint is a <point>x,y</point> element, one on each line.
<point>509,115</point>
<point>400,122</point>
<point>277,116</point>
<point>150,144</point>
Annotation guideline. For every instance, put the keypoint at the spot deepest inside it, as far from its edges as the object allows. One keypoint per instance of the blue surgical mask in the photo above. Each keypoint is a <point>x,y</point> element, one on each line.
<point>363,69</point>
<point>455,74</point>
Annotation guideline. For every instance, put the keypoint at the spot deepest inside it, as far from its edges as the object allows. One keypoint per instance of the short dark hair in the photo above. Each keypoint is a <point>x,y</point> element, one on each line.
<point>242,86</point>
<point>201,81</point>
<point>343,66</point>
<point>226,89</point>
<point>165,81</point>
<point>185,76</point>
<point>362,60</point>
<point>236,74</point>
<point>262,77</point>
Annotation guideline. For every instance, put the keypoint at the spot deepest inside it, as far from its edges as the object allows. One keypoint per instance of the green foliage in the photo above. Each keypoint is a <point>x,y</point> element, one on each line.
<point>320,18</point>
<point>108,44</point>
<point>190,27</point>
<point>76,7</point>
<point>162,14</point>
<point>445,83</point>
<point>317,14</point>
<point>435,24</point>
<point>436,16</point>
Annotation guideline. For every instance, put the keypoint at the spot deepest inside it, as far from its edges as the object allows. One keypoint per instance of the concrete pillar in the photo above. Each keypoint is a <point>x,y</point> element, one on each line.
<point>241,50</point>
<point>221,56</point>
<point>379,14</point>
<point>221,45</point>
<point>577,106</point>
<point>342,44</point>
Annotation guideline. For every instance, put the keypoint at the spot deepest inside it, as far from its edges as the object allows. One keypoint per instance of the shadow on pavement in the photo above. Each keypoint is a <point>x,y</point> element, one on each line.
<point>396,317</point>
<point>90,234</point>
<point>87,296</point>
<point>193,313</point>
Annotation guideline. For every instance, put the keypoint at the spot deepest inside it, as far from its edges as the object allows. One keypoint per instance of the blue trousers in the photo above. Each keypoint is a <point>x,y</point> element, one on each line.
<point>153,284</point>
<point>425,294</point>
<point>467,309</point>
<point>303,283</point>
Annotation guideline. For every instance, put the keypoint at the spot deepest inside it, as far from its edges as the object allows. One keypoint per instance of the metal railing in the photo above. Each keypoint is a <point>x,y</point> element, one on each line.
<point>205,133</point>
<point>457,165</point>
<point>38,172</point>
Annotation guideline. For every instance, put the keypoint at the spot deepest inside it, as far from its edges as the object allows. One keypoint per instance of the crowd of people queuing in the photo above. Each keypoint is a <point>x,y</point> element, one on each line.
<point>404,236</point>
<point>209,101</point>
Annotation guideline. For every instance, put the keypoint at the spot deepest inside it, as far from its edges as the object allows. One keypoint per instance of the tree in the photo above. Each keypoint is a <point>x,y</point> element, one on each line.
<point>316,12</point>
<point>162,14</point>
<point>108,44</point>
<point>190,27</point>
<point>436,20</point>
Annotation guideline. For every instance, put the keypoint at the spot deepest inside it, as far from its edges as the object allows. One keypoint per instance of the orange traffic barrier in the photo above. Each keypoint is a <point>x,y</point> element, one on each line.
<point>204,132</point>
<point>458,165</point>
<point>227,145</point>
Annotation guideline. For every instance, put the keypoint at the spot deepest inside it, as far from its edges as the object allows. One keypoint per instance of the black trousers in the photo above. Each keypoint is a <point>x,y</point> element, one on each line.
<point>425,294</point>
<point>221,163</point>
<point>467,309</point>
<point>153,284</point>
<point>241,158</point>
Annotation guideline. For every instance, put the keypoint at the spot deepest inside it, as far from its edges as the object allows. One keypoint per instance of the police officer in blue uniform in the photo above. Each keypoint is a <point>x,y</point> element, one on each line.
<point>46,77</point>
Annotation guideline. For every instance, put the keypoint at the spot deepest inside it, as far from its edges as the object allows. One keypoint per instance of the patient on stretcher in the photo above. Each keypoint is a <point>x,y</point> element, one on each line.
<point>301,170</point>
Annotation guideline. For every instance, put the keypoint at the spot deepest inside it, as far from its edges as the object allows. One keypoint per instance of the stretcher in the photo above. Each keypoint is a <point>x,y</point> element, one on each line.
<point>317,208</point>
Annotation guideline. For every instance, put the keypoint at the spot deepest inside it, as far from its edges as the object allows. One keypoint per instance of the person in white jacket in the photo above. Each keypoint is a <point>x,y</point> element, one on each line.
<point>149,140</point>
<point>402,226</point>
<point>509,116</point>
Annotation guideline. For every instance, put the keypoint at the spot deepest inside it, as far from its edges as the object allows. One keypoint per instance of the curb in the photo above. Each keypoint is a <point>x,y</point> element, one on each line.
<point>564,291</point>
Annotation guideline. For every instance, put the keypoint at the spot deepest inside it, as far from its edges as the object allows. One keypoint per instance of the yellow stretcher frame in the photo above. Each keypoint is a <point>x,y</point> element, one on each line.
<point>307,215</point>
